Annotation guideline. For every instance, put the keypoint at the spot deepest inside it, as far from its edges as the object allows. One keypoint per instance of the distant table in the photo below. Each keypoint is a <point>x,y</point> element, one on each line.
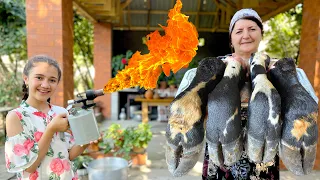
<point>151,102</point>
<point>4,111</point>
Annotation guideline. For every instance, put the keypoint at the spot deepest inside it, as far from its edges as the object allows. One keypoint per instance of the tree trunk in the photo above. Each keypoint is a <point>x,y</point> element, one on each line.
<point>84,79</point>
<point>3,66</point>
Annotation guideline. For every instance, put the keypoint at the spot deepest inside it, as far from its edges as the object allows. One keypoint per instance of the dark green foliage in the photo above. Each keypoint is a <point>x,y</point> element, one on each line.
<point>13,28</point>
<point>119,62</point>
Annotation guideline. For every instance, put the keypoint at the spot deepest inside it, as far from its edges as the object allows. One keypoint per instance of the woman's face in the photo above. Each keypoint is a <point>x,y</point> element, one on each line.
<point>245,37</point>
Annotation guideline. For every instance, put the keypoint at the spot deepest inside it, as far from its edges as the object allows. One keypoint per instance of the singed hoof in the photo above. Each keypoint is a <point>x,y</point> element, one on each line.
<point>270,150</point>
<point>183,149</point>
<point>232,151</point>
<point>261,151</point>
<point>299,161</point>
<point>180,161</point>
<point>215,153</point>
<point>225,154</point>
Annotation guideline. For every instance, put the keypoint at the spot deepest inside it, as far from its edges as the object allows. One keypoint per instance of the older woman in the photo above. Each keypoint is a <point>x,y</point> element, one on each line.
<point>246,31</point>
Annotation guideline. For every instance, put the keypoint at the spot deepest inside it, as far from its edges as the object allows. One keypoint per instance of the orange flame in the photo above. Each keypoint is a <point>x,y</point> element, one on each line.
<point>172,51</point>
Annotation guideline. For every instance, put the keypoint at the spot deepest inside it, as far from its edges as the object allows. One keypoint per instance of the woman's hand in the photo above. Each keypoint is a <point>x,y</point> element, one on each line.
<point>243,62</point>
<point>59,123</point>
<point>235,57</point>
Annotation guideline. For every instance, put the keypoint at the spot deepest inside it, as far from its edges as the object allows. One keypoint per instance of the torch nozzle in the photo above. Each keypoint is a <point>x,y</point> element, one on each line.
<point>92,94</point>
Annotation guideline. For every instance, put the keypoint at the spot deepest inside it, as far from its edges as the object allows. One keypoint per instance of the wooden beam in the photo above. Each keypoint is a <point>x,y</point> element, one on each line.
<point>229,13</point>
<point>231,3</point>
<point>223,30</point>
<point>166,12</point>
<point>148,16</point>
<point>137,28</point>
<point>222,16</point>
<point>217,3</point>
<point>216,17</point>
<point>144,28</point>
<point>281,9</point>
<point>122,7</point>
<point>93,1</point>
<point>106,5</point>
<point>239,5</point>
<point>83,11</point>
<point>128,17</point>
<point>197,16</point>
<point>125,4</point>
<point>92,7</point>
<point>263,10</point>
<point>271,4</point>
<point>250,3</point>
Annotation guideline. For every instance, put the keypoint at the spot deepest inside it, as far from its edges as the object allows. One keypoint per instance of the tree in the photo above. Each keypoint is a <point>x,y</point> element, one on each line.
<point>12,33</point>
<point>14,45</point>
<point>283,34</point>
<point>83,52</point>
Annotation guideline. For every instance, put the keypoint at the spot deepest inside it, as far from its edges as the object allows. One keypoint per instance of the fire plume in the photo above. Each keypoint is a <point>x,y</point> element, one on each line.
<point>172,51</point>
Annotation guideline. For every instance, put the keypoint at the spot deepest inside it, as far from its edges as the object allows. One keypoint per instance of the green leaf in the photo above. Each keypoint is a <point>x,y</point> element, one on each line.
<point>283,36</point>
<point>53,176</point>
<point>34,149</point>
<point>11,165</point>
<point>25,113</point>
<point>25,157</point>
<point>50,152</point>
<point>60,155</point>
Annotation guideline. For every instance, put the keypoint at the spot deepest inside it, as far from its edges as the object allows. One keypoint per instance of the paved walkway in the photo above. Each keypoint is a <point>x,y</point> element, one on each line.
<point>156,168</point>
<point>3,171</point>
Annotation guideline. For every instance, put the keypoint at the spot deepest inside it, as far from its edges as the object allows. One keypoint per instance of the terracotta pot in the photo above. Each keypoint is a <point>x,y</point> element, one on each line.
<point>138,150</point>
<point>93,147</point>
<point>139,159</point>
<point>148,94</point>
<point>156,96</point>
<point>98,154</point>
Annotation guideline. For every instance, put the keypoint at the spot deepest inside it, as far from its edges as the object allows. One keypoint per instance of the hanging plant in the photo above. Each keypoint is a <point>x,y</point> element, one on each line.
<point>119,62</point>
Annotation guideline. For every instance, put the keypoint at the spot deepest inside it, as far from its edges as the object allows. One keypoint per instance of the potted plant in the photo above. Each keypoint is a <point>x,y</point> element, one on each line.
<point>119,62</point>
<point>78,164</point>
<point>142,136</point>
<point>127,143</point>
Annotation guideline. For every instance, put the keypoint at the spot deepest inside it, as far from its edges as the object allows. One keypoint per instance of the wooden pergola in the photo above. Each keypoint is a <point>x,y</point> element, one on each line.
<point>50,31</point>
<point>206,15</point>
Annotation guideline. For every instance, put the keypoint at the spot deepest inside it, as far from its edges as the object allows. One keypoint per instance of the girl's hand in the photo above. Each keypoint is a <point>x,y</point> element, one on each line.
<point>92,142</point>
<point>59,123</point>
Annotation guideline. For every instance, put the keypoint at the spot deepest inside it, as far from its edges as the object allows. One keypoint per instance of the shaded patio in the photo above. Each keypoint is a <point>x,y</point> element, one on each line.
<point>50,31</point>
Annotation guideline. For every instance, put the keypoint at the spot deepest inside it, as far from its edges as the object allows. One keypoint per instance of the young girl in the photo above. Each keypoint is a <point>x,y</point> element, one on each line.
<point>35,147</point>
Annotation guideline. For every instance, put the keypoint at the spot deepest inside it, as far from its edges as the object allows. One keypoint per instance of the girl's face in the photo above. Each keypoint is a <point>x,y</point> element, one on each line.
<point>246,37</point>
<point>42,81</point>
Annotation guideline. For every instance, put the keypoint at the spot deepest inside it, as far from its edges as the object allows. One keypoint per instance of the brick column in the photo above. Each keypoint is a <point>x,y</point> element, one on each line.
<point>102,51</point>
<point>50,31</point>
<point>310,51</point>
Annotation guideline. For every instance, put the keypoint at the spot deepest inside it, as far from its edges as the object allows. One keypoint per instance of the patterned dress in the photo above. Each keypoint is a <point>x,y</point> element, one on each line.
<point>21,150</point>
